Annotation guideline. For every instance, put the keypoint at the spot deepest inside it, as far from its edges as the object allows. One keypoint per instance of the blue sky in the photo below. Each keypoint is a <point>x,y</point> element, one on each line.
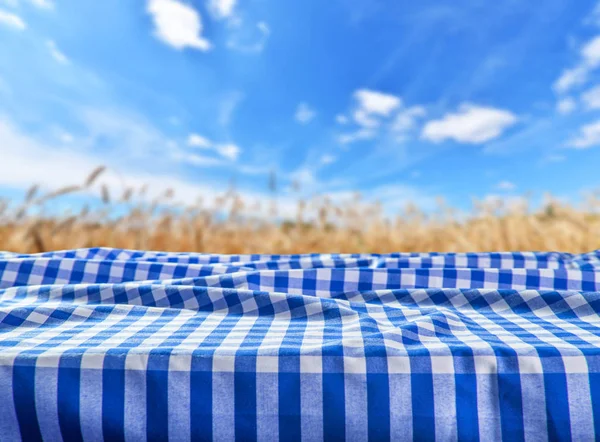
<point>399,100</point>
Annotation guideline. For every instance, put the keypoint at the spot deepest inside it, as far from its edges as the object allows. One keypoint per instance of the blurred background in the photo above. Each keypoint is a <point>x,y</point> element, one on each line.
<point>264,126</point>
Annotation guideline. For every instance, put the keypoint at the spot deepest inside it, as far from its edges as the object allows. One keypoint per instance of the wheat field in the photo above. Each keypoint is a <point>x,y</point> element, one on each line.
<point>319,225</point>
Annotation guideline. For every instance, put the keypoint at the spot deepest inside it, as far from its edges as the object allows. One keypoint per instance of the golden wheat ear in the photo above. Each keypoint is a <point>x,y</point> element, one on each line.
<point>92,177</point>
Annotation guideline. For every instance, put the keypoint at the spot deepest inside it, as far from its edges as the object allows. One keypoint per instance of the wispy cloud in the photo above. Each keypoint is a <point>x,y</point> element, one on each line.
<point>195,159</point>
<point>552,158</point>
<point>589,136</point>
<point>358,135</point>
<point>221,8</point>
<point>470,124</point>
<point>177,24</point>
<point>375,111</point>
<point>577,75</point>
<point>373,104</point>
<point>250,44</point>
<point>12,20</point>
<point>230,151</point>
<point>195,140</point>
<point>44,4</point>
<point>406,120</point>
<point>228,106</point>
<point>53,167</point>
<point>304,113</point>
<point>566,105</point>
<point>341,119</point>
<point>591,98</point>
<point>506,186</point>
<point>56,53</point>
<point>327,159</point>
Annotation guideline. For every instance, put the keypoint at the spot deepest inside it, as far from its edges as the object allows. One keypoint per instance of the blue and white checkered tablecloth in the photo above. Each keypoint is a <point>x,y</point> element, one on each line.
<point>106,344</point>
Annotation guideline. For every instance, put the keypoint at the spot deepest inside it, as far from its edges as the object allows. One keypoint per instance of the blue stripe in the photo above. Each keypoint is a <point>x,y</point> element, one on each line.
<point>157,406</point>
<point>378,391</point>
<point>595,393</point>
<point>422,406</point>
<point>511,406</point>
<point>290,382</point>
<point>69,375</point>
<point>245,402</point>
<point>201,415</point>
<point>334,412</point>
<point>290,428</point>
<point>557,406</point>
<point>113,398</point>
<point>24,400</point>
<point>378,409</point>
<point>467,419</point>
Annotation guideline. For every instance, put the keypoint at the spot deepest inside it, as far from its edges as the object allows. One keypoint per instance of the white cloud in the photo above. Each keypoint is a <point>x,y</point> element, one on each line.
<point>53,170</point>
<point>328,159</point>
<point>4,88</point>
<point>396,197</point>
<point>304,113</point>
<point>44,4</point>
<point>470,124</point>
<point>196,160</point>
<point>361,134</point>
<point>591,52</point>
<point>239,41</point>
<point>230,151</point>
<point>54,166</point>
<point>12,20</point>
<point>305,177</point>
<point>263,27</point>
<point>375,113</point>
<point>590,59</point>
<point>177,24</point>
<point>506,185</point>
<point>554,158</point>
<point>594,17</point>
<point>226,150</point>
<point>66,137</point>
<point>589,136</point>
<point>27,160</point>
<point>591,98</point>
<point>56,53</point>
<point>406,119</point>
<point>221,8</point>
<point>228,106</point>
<point>375,102</point>
<point>566,105</point>
<point>196,140</point>
<point>364,119</point>
<point>341,119</point>
<point>570,78</point>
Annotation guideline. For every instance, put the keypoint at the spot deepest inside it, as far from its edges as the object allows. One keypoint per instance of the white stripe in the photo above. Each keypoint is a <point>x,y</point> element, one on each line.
<point>267,406</point>
<point>90,405</point>
<point>9,426</point>
<point>401,418</point>
<point>223,394</point>
<point>46,401</point>
<point>135,404</point>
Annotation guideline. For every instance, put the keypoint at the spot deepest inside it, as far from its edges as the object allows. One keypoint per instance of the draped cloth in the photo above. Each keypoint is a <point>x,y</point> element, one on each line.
<point>133,345</point>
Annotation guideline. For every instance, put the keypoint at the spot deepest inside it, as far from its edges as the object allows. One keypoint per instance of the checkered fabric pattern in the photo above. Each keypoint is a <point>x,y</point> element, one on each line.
<point>106,344</point>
